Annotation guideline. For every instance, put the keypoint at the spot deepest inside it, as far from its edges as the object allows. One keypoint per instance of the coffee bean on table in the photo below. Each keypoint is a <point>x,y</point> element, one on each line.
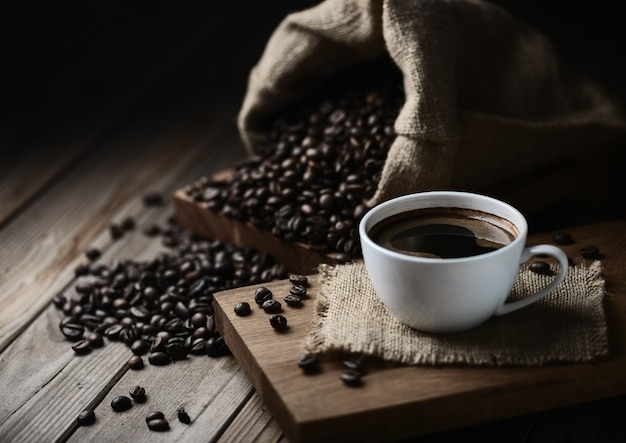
<point>278,322</point>
<point>309,363</point>
<point>183,417</point>
<point>138,394</point>
<point>350,377</point>
<point>86,417</point>
<point>159,358</point>
<point>121,403</point>
<point>159,425</point>
<point>82,347</point>
<point>72,331</point>
<point>271,306</point>
<point>95,339</point>
<point>242,309</point>
<point>139,347</point>
<point>116,231</point>
<point>298,290</point>
<point>590,252</point>
<point>128,224</point>
<point>355,363</point>
<point>135,362</point>
<point>93,254</point>
<point>293,300</point>
<point>154,415</point>
<point>540,267</point>
<point>177,351</point>
<point>298,279</point>
<point>262,294</point>
<point>563,238</point>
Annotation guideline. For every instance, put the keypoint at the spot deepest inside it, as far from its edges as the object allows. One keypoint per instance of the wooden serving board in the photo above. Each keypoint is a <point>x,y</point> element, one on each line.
<point>397,401</point>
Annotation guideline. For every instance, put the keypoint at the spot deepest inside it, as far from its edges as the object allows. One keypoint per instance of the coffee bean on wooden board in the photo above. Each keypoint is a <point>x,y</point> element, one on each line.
<point>138,394</point>
<point>271,306</point>
<point>135,363</point>
<point>278,322</point>
<point>121,403</point>
<point>86,417</point>
<point>563,238</point>
<point>262,294</point>
<point>183,417</point>
<point>309,180</point>
<point>350,377</point>
<point>541,267</point>
<point>242,309</point>
<point>590,252</point>
<point>309,363</point>
<point>158,425</point>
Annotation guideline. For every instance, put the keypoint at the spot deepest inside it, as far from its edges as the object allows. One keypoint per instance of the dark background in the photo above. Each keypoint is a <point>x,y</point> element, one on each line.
<point>66,68</point>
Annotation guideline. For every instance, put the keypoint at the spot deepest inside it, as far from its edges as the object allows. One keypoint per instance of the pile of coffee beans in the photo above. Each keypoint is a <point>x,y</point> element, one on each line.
<point>321,162</point>
<point>160,307</point>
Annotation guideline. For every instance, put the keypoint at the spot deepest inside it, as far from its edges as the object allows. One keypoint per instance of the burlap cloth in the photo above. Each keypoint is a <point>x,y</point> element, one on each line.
<point>568,325</point>
<point>487,97</point>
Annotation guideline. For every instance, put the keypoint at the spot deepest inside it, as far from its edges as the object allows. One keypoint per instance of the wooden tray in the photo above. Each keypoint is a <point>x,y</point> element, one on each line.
<point>399,402</point>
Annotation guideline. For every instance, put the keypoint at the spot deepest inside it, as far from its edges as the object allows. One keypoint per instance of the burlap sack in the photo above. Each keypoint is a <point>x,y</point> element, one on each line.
<point>486,96</point>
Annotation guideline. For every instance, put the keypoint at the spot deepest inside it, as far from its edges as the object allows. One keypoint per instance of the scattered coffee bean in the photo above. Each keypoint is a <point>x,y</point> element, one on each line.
<point>355,363</point>
<point>93,254</point>
<point>298,279</point>
<point>82,347</point>
<point>159,358</point>
<point>293,300</point>
<point>272,306</point>
<point>151,230</point>
<point>563,238</point>
<point>138,394</point>
<point>177,351</point>
<point>154,415</point>
<point>135,363</point>
<point>298,290</point>
<point>95,339</point>
<point>72,331</point>
<point>309,363</point>
<point>121,403</point>
<point>86,417</point>
<point>128,224</point>
<point>140,347</point>
<point>81,270</point>
<point>159,425</point>
<point>242,309</point>
<point>183,417</point>
<point>153,199</point>
<point>116,231</point>
<point>541,267</point>
<point>278,322</point>
<point>590,252</point>
<point>351,377</point>
<point>262,294</point>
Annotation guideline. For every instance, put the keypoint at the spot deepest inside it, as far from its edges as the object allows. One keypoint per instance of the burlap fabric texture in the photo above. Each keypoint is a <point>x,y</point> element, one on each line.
<point>568,325</point>
<point>487,99</point>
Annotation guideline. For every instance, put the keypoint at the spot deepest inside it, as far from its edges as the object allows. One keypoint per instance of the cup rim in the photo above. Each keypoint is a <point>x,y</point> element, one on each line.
<point>520,223</point>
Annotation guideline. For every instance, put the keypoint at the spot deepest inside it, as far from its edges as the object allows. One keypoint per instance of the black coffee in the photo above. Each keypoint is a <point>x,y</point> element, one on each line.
<point>443,232</point>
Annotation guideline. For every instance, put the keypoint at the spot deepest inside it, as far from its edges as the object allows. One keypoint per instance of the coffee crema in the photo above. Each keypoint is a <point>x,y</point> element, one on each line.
<point>443,232</point>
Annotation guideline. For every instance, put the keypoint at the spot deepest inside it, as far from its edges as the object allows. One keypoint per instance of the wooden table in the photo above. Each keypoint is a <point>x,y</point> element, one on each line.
<point>80,148</point>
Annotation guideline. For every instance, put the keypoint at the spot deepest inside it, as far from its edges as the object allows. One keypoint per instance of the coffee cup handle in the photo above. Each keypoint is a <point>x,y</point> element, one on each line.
<point>529,252</point>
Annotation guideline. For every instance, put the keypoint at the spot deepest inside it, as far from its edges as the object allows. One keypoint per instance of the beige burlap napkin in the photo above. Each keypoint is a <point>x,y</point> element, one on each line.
<point>568,325</point>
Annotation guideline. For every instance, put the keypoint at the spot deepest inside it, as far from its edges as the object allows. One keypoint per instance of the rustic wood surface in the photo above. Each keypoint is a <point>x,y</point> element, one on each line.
<point>103,103</point>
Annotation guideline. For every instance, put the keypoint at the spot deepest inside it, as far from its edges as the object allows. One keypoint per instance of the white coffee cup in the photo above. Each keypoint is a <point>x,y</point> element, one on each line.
<point>452,294</point>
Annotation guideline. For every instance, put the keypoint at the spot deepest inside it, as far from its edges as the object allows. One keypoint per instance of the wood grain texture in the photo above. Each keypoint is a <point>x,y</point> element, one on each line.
<point>399,402</point>
<point>253,423</point>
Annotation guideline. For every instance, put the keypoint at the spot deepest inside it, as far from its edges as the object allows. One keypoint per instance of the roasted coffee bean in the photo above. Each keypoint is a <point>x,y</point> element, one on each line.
<point>95,339</point>
<point>116,231</point>
<point>242,309</point>
<point>82,347</point>
<point>86,417</point>
<point>272,306</point>
<point>298,279</point>
<point>153,199</point>
<point>298,290</point>
<point>278,322</point>
<point>293,300</point>
<point>135,363</point>
<point>154,415</point>
<point>140,347</point>
<point>590,252</point>
<point>121,403</point>
<point>177,351</point>
<point>159,425</point>
<point>93,254</point>
<point>81,270</point>
<point>563,238</point>
<point>72,331</point>
<point>113,332</point>
<point>354,363</point>
<point>262,294</point>
<point>159,358</point>
<point>128,224</point>
<point>138,394</point>
<point>350,377</point>
<point>309,363</point>
<point>540,267</point>
<point>183,417</point>
<point>151,230</point>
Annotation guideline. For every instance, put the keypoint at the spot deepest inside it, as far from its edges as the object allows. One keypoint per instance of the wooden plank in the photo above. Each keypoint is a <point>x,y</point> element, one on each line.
<point>253,423</point>
<point>405,401</point>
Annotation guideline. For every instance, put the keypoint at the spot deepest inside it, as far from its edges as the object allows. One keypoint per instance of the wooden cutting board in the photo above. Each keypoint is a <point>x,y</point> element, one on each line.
<point>397,401</point>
